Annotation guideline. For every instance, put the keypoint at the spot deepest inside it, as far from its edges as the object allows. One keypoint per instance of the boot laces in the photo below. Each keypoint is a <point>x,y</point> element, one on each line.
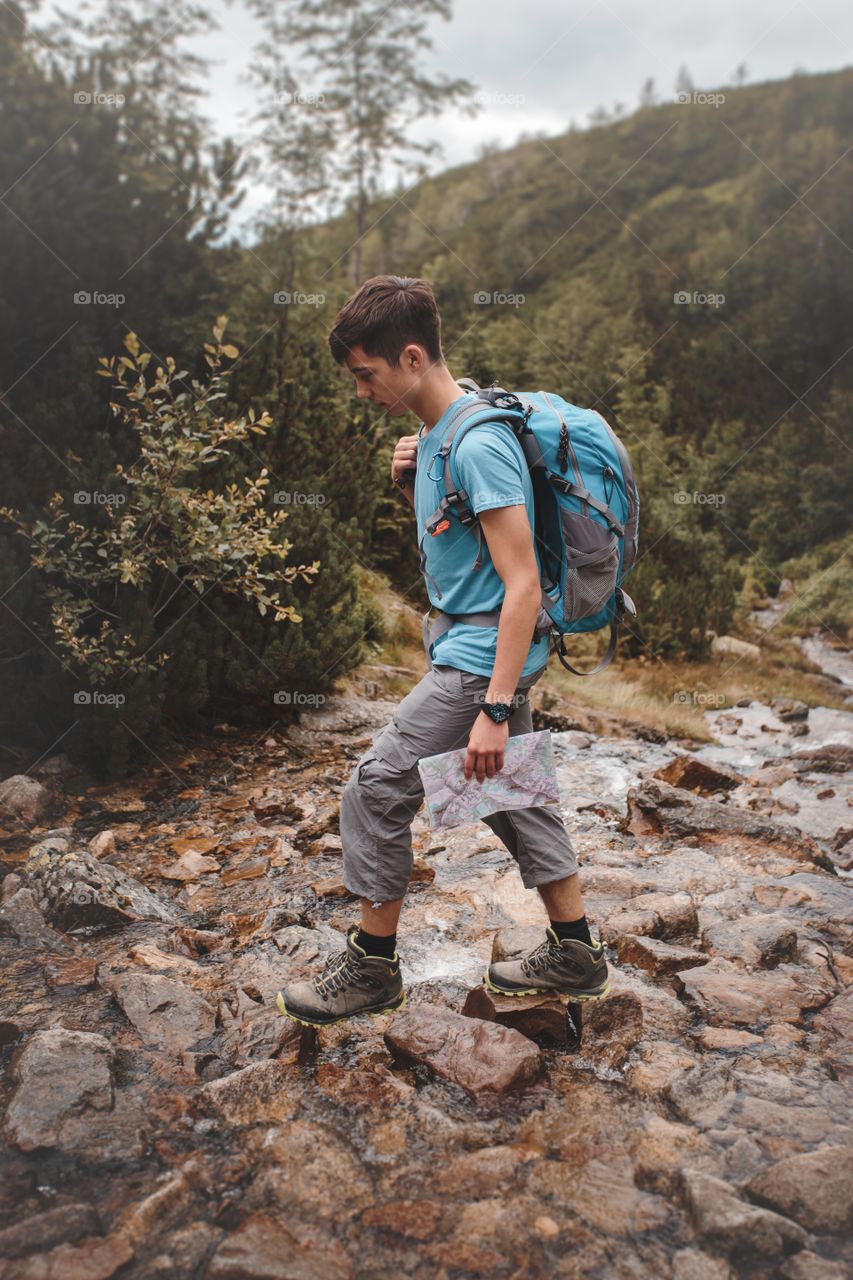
<point>341,970</point>
<point>541,957</point>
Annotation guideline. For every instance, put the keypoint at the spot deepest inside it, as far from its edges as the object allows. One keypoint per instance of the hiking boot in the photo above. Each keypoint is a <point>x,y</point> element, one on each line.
<point>568,968</point>
<point>351,982</point>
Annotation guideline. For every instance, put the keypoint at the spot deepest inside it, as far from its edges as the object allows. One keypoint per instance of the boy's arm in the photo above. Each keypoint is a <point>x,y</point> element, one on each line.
<point>510,543</point>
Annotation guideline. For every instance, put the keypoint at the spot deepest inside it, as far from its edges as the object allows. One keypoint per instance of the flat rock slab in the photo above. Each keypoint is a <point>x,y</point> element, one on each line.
<point>657,957</point>
<point>727,996</point>
<point>698,775</point>
<point>166,1013</point>
<point>483,1057</point>
<point>815,1189</point>
<point>60,1074</point>
<point>740,1229</point>
<point>531,1015</point>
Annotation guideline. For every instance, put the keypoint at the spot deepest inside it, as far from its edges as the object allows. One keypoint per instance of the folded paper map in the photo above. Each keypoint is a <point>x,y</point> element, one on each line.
<point>527,778</point>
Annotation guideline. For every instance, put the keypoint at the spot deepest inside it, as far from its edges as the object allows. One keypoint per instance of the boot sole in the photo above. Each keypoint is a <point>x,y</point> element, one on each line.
<point>398,1003</point>
<point>598,994</point>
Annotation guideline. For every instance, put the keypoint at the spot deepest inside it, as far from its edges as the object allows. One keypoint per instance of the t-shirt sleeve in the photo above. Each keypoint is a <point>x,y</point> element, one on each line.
<point>489,466</point>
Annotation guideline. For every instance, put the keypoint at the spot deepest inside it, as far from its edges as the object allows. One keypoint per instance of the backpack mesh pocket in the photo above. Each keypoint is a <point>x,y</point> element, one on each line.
<point>592,555</point>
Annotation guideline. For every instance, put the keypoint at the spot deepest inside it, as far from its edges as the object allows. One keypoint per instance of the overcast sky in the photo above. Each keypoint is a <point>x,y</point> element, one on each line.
<point>556,62</point>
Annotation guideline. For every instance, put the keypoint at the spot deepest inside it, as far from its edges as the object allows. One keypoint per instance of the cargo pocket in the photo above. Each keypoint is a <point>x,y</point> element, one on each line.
<point>592,565</point>
<point>396,756</point>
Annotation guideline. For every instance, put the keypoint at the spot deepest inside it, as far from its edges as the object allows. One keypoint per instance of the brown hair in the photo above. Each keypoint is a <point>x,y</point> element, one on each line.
<point>384,315</point>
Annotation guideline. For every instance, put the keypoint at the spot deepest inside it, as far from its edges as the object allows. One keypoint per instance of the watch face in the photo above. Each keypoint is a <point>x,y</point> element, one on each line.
<point>498,711</point>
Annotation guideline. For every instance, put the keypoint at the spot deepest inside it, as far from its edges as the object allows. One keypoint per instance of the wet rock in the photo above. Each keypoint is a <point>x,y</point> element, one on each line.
<point>263,1248</point>
<point>727,1038</point>
<point>362,1087</point>
<point>699,775</point>
<point>515,941</point>
<point>692,1264</point>
<point>601,1192</point>
<point>661,915</point>
<point>148,1218</point>
<point>76,891</point>
<point>703,1095</point>
<point>258,1031</point>
<point>655,806</point>
<point>94,1258</point>
<point>103,845</point>
<point>829,757</point>
<point>810,1266</point>
<point>485,1171</point>
<point>656,957</point>
<point>60,1074</point>
<point>414,1219</point>
<point>789,709</point>
<point>761,941</point>
<point>21,916</point>
<point>834,1027</point>
<point>659,1151</point>
<point>27,800</point>
<point>659,1065</point>
<point>819,899</point>
<point>166,1013</point>
<point>737,1228</point>
<point>728,996</point>
<point>183,1251</point>
<point>482,1057</point>
<point>531,1015</point>
<point>612,1027</point>
<point>264,1091</point>
<point>815,1189</point>
<point>70,971</point>
<point>313,1172</point>
<point>63,1225</point>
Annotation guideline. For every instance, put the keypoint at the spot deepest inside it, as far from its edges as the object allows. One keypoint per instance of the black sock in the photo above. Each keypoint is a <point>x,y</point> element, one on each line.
<point>573,929</point>
<point>376,944</point>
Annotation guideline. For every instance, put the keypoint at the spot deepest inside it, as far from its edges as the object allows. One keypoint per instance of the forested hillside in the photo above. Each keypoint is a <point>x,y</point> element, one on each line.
<point>685,269</point>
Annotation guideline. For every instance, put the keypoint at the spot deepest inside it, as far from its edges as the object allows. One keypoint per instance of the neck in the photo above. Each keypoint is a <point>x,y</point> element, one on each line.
<point>436,392</point>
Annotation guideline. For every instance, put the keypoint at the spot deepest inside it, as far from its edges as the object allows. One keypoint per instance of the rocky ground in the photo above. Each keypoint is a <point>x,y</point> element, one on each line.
<point>160,1118</point>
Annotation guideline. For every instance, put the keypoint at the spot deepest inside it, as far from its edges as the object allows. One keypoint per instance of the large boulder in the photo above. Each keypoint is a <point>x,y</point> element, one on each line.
<point>75,890</point>
<point>482,1057</point>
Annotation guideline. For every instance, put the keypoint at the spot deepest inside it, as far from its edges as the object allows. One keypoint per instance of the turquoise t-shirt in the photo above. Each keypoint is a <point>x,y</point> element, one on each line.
<point>491,469</point>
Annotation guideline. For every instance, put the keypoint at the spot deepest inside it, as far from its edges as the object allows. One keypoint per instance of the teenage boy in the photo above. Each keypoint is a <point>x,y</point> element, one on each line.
<point>388,335</point>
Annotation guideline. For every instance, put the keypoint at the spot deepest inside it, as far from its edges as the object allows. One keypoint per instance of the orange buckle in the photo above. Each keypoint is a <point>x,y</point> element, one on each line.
<point>441,526</point>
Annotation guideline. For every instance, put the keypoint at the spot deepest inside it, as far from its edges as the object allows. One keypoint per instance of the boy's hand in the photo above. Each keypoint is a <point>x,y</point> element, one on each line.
<point>486,745</point>
<point>405,459</point>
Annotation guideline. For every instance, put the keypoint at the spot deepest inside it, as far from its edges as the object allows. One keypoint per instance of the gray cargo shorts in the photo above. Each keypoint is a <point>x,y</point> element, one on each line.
<point>385,792</point>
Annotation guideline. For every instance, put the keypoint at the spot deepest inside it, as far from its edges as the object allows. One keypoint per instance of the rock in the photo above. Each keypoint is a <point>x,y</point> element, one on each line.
<point>531,1015</point>
<point>59,1074</point>
<point>332,887</point>
<point>262,1248</point>
<point>103,845</point>
<point>27,800</point>
<point>655,806</point>
<point>727,1038</point>
<point>148,1218</point>
<point>732,647</point>
<point>372,1088</point>
<point>515,941</point>
<point>815,1189</point>
<point>79,972</point>
<point>183,1251</point>
<point>659,1065</point>
<point>665,915</point>
<point>810,1266</point>
<point>77,891</point>
<point>189,866</point>
<point>95,1258</point>
<point>829,757</point>
<point>727,996</point>
<point>762,941</point>
<point>698,775</point>
<point>789,709</point>
<point>166,1013</point>
<point>20,915</point>
<point>482,1057</point>
<point>414,1219</point>
<point>612,1027</point>
<point>485,1171</point>
<point>262,1091</point>
<point>312,1172</point>
<point>834,1026</point>
<point>702,1095</point>
<point>738,1228</point>
<point>657,958</point>
<point>63,1225</point>
<point>692,1264</point>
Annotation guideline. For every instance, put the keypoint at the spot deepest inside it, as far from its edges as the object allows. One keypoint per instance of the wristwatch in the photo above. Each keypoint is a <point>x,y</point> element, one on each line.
<point>497,711</point>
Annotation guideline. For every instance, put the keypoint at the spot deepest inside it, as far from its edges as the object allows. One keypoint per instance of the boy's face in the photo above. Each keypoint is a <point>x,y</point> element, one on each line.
<point>389,388</point>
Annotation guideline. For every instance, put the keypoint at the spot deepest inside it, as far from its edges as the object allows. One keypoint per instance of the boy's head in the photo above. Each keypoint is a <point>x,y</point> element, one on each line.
<point>388,334</point>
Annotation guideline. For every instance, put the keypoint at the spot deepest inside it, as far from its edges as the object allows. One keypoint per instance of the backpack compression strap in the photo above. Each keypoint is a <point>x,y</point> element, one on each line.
<point>624,604</point>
